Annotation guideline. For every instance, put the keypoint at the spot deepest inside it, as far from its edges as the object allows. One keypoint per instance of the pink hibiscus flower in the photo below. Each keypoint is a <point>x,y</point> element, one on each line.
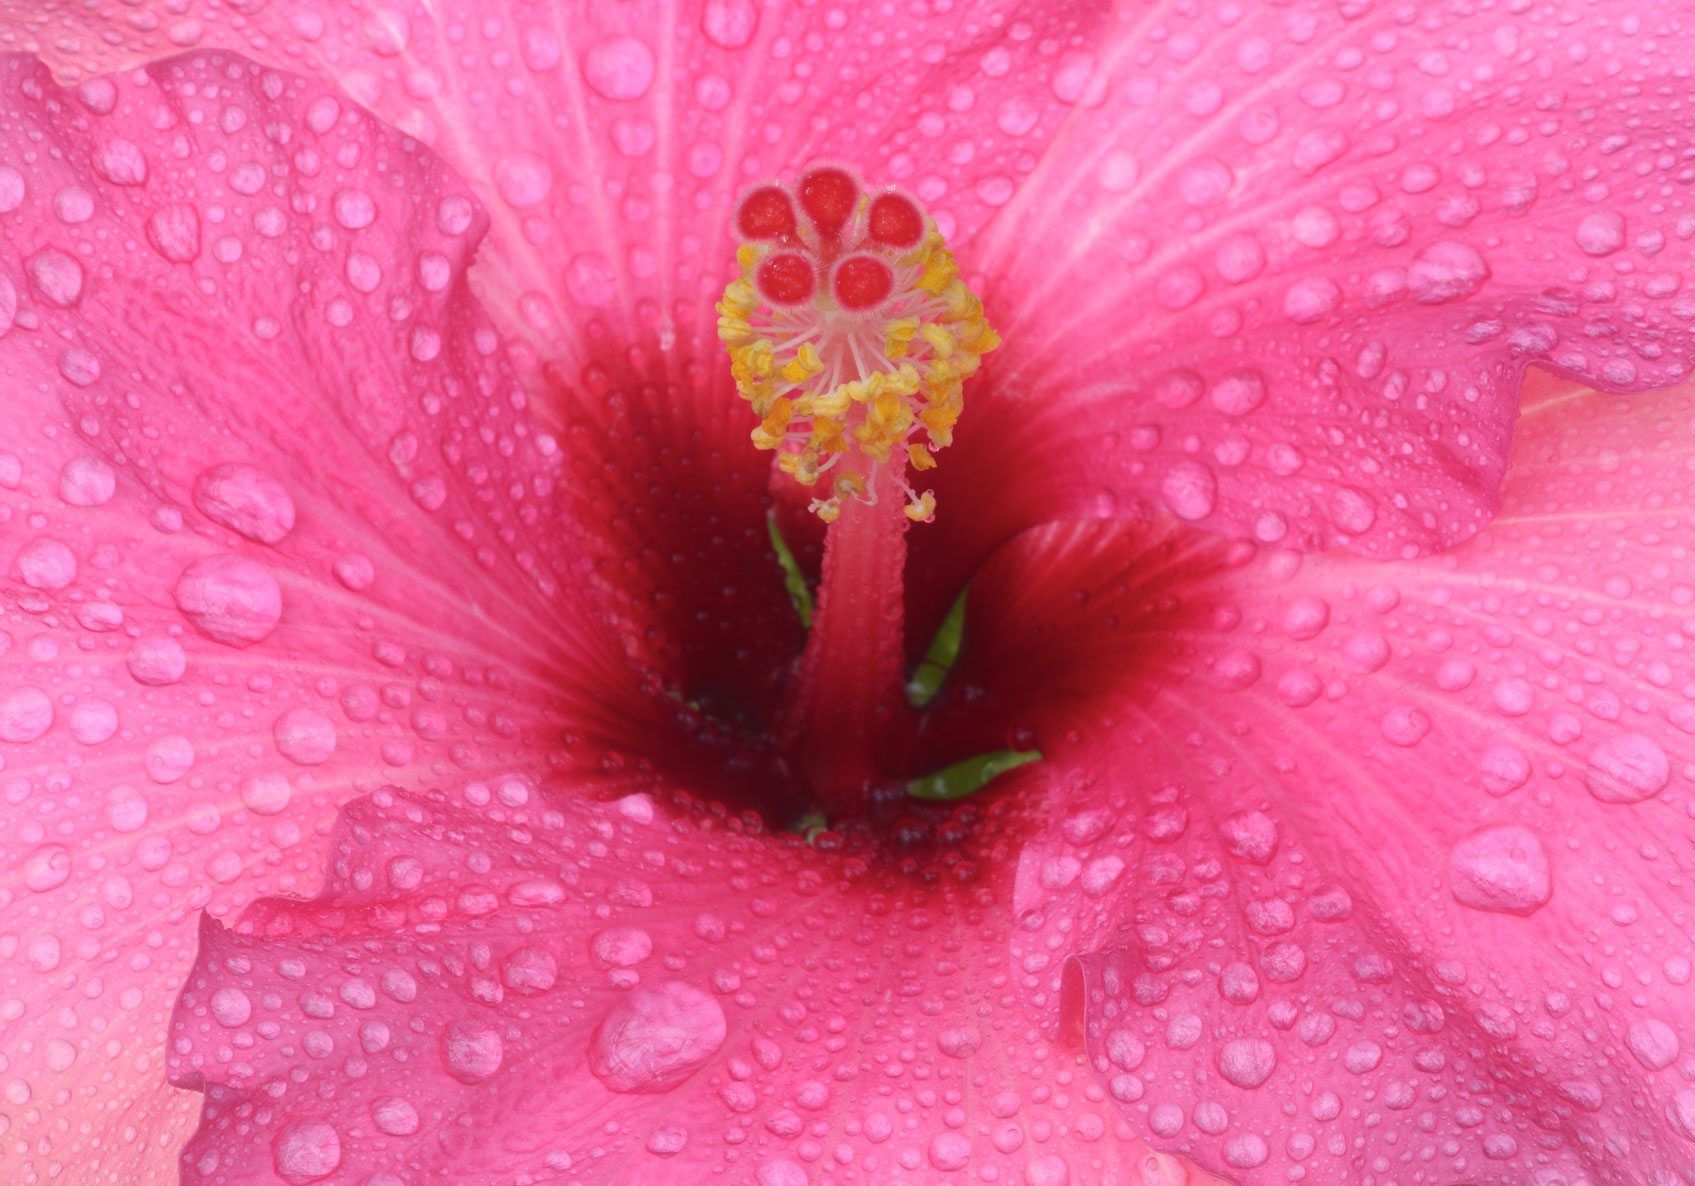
<point>404,725</point>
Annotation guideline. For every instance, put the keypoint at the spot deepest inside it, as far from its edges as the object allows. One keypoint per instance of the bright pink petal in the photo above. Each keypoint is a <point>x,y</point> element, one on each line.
<point>266,503</point>
<point>610,144</point>
<point>1283,266</point>
<point>497,986</point>
<point>1378,873</point>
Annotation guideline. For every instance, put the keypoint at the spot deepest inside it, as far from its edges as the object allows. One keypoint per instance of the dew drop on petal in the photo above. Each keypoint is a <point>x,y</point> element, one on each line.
<point>522,179</point>
<point>305,736</point>
<point>656,1037</point>
<point>230,598</point>
<point>87,482</point>
<point>25,714</point>
<point>619,68</point>
<point>1627,769</point>
<point>247,500</point>
<point>1503,869</point>
<point>472,1050</point>
<point>157,662</point>
<point>306,1151</point>
<point>1190,489</point>
<point>729,24</point>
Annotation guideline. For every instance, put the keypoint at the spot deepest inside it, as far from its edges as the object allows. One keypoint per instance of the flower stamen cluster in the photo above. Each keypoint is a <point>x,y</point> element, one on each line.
<point>851,334</point>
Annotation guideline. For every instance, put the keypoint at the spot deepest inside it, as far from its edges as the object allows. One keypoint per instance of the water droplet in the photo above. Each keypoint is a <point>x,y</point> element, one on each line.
<point>1312,299</point>
<point>1190,489</point>
<point>1601,232</point>
<point>1502,869</point>
<point>46,563</point>
<point>306,1151</point>
<point>1446,271</point>
<point>730,24</point>
<point>87,482</point>
<point>304,736</point>
<point>174,232</point>
<point>25,714</point>
<point>471,1050</point>
<point>522,179</point>
<point>1653,1042</point>
<point>656,1037</point>
<point>1247,1062</point>
<point>157,662</point>
<point>1627,769</point>
<point>47,867</point>
<point>246,500</point>
<point>231,599</point>
<point>619,68</point>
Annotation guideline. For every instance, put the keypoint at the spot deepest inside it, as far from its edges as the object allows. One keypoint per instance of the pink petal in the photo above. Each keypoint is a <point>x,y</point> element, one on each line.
<point>496,985</point>
<point>610,143</point>
<point>1377,872</point>
<point>263,484</point>
<point>1282,268</point>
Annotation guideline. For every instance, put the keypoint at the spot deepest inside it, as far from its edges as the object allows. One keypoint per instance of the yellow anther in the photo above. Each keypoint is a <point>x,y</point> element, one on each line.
<point>920,457</point>
<point>803,365</point>
<point>922,510</point>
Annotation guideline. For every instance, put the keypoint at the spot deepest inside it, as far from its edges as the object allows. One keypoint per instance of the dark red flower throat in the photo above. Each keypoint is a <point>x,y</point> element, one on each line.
<point>851,335</point>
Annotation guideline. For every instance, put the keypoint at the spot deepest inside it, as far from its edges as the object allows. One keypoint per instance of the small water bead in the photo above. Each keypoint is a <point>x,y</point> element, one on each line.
<point>247,500</point>
<point>1653,1043</point>
<point>395,1116</point>
<point>1247,1062</point>
<point>1601,232</point>
<point>1312,299</point>
<point>523,180</point>
<point>656,1037</point>
<point>46,868</point>
<point>231,1007</point>
<point>156,661</point>
<point>529,970</point>
<point>168,759</point>
<point>1190,489</point>
<point>57,277</point>
<point>1446,271</point>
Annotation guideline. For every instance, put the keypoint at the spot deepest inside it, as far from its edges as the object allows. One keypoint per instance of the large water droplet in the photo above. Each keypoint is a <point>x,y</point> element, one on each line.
<point>1627,769</point>
<point>656,1037</point>
<point>306,1151</point>
<point>1502,869</point>
<point>230,598</point>
<point>246,500</point>
<point>619,68</point>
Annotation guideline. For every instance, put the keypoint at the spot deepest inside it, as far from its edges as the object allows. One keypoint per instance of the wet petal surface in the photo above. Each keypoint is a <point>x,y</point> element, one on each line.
<point>265,494</point>
<point>1372,872</point>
